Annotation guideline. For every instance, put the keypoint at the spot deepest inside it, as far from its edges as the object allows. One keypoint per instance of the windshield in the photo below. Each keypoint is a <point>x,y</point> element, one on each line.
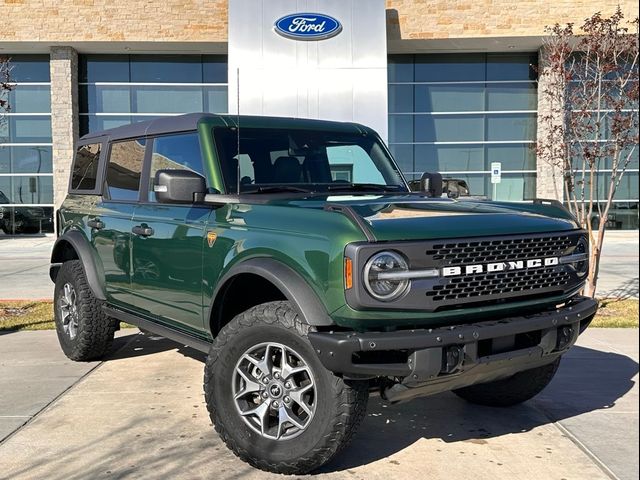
<point>273,160</point>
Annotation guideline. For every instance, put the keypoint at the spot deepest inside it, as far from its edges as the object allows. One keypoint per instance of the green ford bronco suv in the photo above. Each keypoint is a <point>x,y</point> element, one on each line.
<point>294,254</point>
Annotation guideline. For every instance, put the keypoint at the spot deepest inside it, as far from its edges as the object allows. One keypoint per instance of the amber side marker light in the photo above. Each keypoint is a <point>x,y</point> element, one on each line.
<point>348,273</point>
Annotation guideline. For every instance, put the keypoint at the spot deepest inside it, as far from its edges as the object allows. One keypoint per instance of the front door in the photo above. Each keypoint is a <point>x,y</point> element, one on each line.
<point>168,241</point>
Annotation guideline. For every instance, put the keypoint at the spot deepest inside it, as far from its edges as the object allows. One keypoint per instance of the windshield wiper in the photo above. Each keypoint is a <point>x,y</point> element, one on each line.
<point>277,189</point>
<point>363,187</point>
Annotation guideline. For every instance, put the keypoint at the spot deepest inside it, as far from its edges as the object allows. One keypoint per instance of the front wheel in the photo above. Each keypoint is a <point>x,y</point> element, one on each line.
<point>270,398</point>
<point>512,390</point>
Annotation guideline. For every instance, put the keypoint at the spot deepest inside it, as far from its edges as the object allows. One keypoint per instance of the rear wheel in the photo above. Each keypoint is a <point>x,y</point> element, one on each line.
<point>270,398</point>
<point>84,331</point>
<point>513,390</point>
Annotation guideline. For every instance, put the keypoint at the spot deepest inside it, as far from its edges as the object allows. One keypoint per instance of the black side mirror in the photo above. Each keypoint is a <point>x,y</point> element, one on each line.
<point>179,186</point>
<point>414,185</point>
<point>431,183</point>
<point>455,188</point>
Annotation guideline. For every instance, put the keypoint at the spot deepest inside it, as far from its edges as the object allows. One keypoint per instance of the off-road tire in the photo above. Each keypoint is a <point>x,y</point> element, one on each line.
<point>341,405</point>
<point>513,390</point>
<point>95,329</point>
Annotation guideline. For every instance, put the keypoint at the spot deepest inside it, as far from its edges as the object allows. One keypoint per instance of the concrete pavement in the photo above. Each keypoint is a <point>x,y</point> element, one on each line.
<point>619,265</point>
<point>141,415</point>
<point>33,372</point>
<point>24,266</point>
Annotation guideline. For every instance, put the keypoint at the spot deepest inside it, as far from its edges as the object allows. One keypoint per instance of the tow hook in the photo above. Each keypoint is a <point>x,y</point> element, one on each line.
<point>453,357</point>
<point>565,335</point>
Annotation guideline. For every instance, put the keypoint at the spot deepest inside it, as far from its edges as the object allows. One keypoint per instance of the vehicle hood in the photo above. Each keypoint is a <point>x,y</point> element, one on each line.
<point>407,217</point>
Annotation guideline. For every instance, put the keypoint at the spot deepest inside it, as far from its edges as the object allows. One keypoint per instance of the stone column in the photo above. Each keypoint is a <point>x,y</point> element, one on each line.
<point>64,116</point>
<point>549,177</point>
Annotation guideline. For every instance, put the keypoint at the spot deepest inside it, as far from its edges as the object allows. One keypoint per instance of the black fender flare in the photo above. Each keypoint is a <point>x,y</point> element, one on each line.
<point>288,281</point>
<point>85,254</point>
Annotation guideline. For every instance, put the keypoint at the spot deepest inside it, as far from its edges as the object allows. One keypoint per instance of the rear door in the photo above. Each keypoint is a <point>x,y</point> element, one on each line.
<point>111,219</point>
<point>167,250</point>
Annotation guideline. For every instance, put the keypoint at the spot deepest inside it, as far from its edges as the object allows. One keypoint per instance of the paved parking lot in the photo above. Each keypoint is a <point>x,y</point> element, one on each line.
<point>24,268</point>
<point>141,414</point>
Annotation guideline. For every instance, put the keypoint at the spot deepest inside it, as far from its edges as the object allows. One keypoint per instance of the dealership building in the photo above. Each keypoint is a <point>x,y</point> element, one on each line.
<point>450,85</point>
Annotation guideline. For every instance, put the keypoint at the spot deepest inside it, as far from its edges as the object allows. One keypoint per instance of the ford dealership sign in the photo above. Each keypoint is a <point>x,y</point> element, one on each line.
<point>307,26</point>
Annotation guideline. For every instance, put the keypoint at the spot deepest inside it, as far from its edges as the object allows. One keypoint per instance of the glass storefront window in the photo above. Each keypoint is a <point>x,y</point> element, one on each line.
<point>594,138</point>
<point>511,126</point>
<point>449,128</point>
<point>457,113</point>
<point>114,88</point>
<point>25,220</point>
<point>26,129</point>
<point>105,98</point>
<point>622,216</point>
<point>30,99</point>
<point>25,159</point>
<point>472,157</point>
<point>29,68</point>
<point>26,171</point>
<point>449,98</point>
<point>512,96</point>
<point>103,68</point>
<point>27,189</point>
<point>166,68</point>
<point>514,187</point>
<point>512,66</point>
<point>444,67</point>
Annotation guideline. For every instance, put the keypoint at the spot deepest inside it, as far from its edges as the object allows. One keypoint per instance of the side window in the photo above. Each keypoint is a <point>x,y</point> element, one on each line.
<point>85,167</point>
<point>175,152</point>
<point>123,172</point>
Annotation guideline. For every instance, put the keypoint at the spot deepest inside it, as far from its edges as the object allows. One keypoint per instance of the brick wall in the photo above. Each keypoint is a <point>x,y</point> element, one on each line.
<point>64,116</point>
<point>112,20</point>
<point>425,19</point>
<point>206,20</point>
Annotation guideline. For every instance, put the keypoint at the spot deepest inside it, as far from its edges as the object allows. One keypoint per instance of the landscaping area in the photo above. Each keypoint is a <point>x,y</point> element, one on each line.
<point>34,315</point>
<point>29,315</point>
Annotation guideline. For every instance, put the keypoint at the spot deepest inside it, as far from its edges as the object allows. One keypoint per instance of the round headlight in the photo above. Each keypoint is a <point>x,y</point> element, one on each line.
<point>582,247</point>
<point>379,278</point>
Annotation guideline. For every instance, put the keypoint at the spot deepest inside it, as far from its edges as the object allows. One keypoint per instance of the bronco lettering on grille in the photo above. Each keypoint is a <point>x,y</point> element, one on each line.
<point>499,266</point>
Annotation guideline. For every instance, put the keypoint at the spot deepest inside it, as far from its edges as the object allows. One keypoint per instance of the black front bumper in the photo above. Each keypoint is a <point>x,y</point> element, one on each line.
<point>434,360</point>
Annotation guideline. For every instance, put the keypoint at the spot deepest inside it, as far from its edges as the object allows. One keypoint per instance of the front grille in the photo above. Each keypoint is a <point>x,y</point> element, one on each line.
<point>503,286</point>
<point>478,285</point>
<point>490,284</point>
<point>485,251</point>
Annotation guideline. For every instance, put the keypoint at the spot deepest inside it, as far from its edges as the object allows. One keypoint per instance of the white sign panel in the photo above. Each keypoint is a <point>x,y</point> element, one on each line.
<point>496,172</point>
<point>310,59</point>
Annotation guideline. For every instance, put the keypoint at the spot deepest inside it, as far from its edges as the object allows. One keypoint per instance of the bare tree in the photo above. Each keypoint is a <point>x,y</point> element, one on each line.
<point>589,129</point>
<point>5,86</point>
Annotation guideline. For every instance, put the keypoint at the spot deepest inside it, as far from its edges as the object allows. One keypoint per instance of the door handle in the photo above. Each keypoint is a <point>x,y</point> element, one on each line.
<point>142,231</point>
<point>95,223</point>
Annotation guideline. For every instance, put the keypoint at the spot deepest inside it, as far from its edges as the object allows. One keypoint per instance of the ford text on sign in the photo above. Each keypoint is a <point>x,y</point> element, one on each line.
<point>307,26</point>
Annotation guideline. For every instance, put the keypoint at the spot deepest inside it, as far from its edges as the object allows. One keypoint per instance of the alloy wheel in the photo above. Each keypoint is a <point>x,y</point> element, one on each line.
<point>69,310</point>
<point>274,391</point>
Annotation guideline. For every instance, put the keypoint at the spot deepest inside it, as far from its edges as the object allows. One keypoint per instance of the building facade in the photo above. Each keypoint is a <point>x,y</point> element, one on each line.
<point>451,85</point>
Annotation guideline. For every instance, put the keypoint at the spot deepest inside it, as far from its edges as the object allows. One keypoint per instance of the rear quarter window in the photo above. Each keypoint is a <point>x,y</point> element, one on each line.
<point>85,167</point>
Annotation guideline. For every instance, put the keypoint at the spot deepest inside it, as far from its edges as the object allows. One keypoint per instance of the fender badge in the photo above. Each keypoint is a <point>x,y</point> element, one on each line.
<point>211,238</point>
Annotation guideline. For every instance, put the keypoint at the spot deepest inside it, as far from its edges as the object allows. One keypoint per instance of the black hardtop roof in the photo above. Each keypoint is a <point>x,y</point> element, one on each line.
<point>190,121</point>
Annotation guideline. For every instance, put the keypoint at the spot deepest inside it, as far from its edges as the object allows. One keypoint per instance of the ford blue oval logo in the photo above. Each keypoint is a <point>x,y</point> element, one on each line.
<point>308,26</point>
